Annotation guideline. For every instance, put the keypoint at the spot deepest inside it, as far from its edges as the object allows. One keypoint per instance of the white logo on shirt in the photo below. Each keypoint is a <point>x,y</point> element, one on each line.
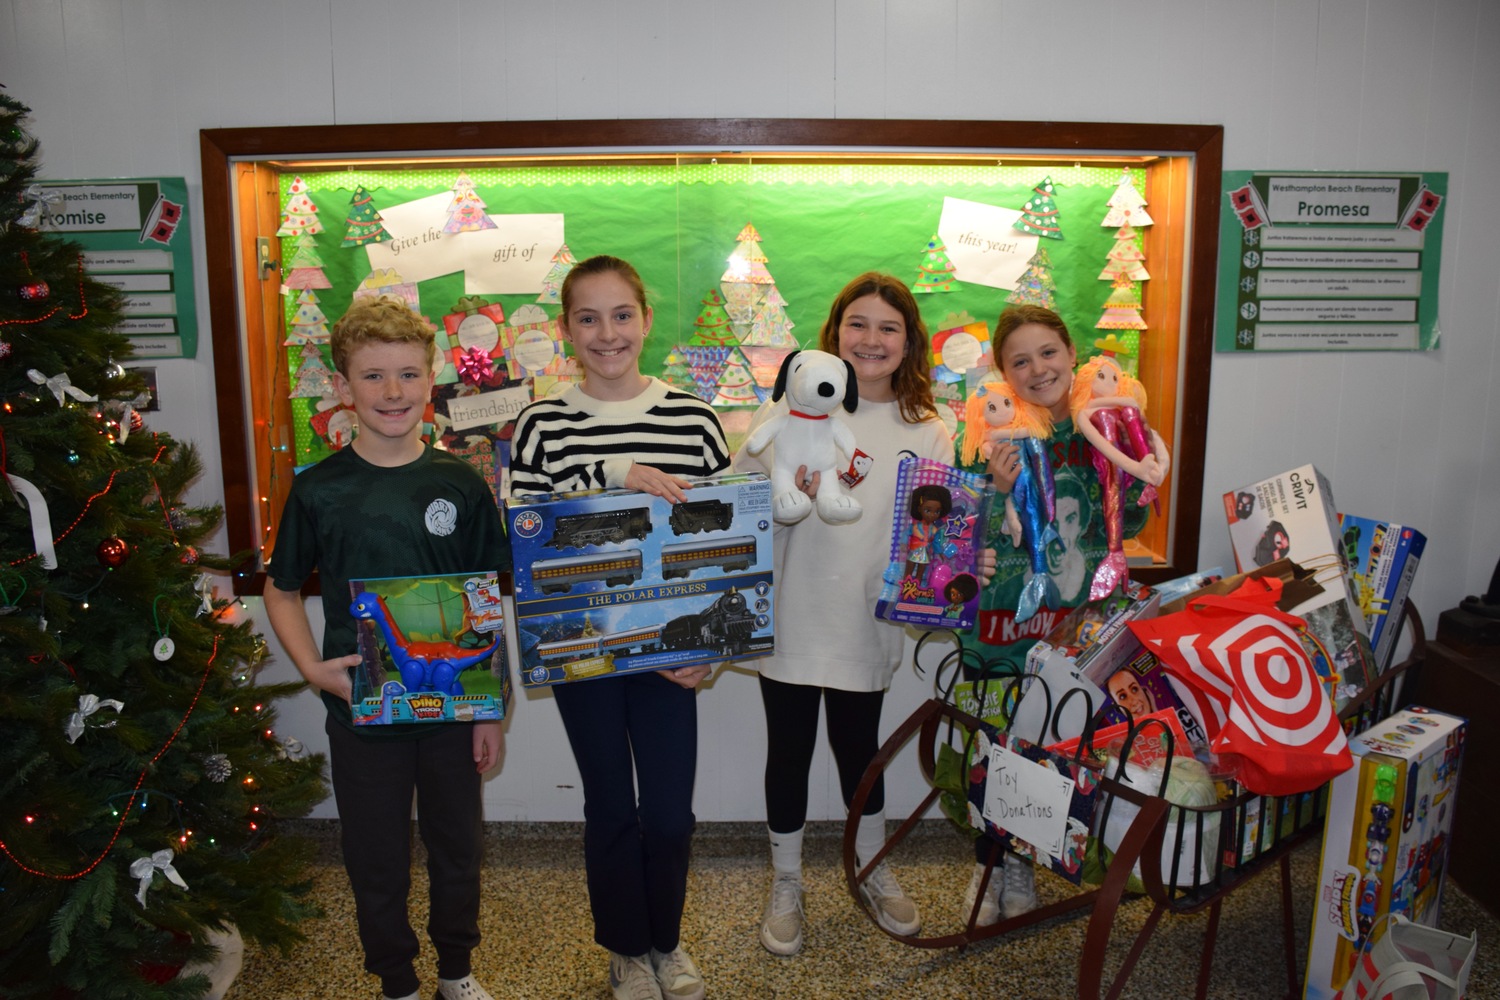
<point>441,517</point>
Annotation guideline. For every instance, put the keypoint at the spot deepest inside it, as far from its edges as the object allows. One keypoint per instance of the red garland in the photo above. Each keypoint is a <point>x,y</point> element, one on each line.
<point>125,813</point>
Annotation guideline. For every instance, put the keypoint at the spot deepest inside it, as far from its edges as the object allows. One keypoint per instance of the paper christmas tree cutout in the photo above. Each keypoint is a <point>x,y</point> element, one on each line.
<point>712,326</point>
<point>1122,310</point>
<point>552,281</point>
<point>308,325</point>
<point>1126,206</point>
<point>1125,258</point>
<point>466,211</point>
<point>1036,286</point>
<point>705,363</point>
<point>1039,215</point>
<point>747,263</point>
<point>676,372</point>
<point>300,215</point>
<point>765,364</point>
<point>935,272</point>
<point>736,386</point>
<point>305,269</point>
<point>313,379</point>
<point>364,223</point>
<point>772,327</point>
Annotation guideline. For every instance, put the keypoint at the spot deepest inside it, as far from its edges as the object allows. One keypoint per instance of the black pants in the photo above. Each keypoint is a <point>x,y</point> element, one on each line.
<point>373,783</point>
<point>635,739</point>
<point>792,734</point>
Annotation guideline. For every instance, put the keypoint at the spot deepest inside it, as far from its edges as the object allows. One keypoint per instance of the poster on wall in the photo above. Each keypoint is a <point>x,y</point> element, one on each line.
<point>134,235</point>
<point>1329,261</point>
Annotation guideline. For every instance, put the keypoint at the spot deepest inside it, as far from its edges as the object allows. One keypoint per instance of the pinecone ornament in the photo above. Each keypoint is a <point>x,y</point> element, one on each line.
<point>217,767</point>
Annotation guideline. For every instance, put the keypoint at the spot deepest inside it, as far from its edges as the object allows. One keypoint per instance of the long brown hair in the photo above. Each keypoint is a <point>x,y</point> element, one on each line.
<point>910,382</point>
<point>1013,318</point>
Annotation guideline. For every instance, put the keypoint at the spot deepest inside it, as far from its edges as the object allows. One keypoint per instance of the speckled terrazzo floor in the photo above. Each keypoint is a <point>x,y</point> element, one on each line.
<point>538,942</point>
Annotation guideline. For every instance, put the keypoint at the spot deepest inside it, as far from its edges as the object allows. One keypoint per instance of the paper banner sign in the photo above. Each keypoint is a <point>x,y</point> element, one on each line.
<point>982,244</point>
<point>512,258</point>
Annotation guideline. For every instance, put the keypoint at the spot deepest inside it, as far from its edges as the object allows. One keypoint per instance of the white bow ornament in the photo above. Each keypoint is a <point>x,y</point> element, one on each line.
<point>61,385</point>
<point>88,704</point>
<point>145,869</point>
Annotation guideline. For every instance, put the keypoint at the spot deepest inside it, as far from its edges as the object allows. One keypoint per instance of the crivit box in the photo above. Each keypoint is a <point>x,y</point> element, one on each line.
<point>616,581</point>
<point>433,649</point>
<point>1386,842</point>
<point>1383,560</point>
<point>1292,516</point>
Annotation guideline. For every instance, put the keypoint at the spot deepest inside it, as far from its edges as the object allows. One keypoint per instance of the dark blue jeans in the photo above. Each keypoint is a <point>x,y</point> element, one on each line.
<point>373,783</point>
<point>635,739</point>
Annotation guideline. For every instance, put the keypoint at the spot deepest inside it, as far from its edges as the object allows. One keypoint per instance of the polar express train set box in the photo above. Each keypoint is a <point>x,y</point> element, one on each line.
<point>616,581</point>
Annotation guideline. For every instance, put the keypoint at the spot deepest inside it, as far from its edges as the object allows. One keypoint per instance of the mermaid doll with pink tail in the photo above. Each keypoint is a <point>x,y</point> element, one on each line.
<point>1108,409</point>
<point>995,414</point>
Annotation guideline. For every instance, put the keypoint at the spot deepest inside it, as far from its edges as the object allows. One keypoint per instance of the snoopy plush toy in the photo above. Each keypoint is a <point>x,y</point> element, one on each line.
<point>810,434</point>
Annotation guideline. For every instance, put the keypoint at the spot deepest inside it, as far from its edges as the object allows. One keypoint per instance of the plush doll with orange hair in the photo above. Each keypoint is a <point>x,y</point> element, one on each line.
<point>1108,409</point>
<point>993,414</point>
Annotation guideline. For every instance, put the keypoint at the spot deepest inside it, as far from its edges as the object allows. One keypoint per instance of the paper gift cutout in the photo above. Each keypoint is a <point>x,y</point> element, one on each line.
<point>474,326</point>
<point>961,343</point>
<point>388,281</point>
<point>533,343</point>
<point>1255,688</point>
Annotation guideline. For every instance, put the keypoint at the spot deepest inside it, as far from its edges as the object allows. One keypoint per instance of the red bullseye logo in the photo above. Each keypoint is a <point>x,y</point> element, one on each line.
<point>1279,694</point>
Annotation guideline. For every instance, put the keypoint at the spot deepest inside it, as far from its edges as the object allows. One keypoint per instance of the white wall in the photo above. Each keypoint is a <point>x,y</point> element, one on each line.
<point>121,88</point>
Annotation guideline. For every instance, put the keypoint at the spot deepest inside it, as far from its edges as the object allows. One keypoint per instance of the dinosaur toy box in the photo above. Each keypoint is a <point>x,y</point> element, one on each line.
<point>616,581</point>
<point>433,649</point>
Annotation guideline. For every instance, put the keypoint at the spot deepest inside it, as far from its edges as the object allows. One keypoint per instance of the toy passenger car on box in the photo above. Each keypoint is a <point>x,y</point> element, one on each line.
<point>617,581</point>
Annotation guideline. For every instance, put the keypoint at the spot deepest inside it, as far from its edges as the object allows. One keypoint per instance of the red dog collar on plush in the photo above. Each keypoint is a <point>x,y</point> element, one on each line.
<point>808,416</point>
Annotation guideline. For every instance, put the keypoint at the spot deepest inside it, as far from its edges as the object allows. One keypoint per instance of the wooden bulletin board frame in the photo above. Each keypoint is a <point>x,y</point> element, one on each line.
<point>243,199</point>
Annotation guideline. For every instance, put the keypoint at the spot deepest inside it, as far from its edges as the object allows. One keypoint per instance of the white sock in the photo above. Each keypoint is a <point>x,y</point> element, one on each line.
<point>870,837</point>
<point>786,852</point>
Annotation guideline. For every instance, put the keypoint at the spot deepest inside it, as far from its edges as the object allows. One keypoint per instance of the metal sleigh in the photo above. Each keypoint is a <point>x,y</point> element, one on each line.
<point>1294,820</point>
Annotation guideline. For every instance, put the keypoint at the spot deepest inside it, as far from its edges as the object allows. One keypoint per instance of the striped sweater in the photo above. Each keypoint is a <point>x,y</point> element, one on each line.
<point>577,442</point>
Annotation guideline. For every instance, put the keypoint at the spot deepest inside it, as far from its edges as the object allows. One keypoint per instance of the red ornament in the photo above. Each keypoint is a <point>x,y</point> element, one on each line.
<point>112,552</point>
<point>136,421</point>
<point>35,291</point>
<point>189,555</point>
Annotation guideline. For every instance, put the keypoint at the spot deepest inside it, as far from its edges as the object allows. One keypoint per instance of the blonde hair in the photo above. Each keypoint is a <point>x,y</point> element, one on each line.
<point>382,319</point>
<point>1083,384</point>
<point>1027,417</point>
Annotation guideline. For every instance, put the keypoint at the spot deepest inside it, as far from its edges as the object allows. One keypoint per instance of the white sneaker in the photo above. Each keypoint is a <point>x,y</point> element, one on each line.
<point>677,976</point>
<point>989,908</point>
<point>781,927</point>
<point>466,988</point>
<point>893,909</point>
<point>1018,895</point>
<point>632,978</point>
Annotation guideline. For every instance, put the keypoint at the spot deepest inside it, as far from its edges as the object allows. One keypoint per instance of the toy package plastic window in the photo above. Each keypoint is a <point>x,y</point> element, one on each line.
<point>933,577</point>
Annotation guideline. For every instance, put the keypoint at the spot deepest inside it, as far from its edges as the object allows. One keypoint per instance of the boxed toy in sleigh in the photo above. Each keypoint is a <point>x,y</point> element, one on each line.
<point>617,581</point>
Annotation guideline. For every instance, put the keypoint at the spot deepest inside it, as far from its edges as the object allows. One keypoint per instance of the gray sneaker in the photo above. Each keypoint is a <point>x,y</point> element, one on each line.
<point>989,908</point>
<point>781,927</point>
<point>1018,895</point>
<point>677,976</point>
<point>632,978</point>
<point>893,909</point>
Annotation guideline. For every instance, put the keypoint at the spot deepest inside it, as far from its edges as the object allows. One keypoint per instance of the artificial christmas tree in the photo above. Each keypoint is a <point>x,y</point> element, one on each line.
<point>141,775</point>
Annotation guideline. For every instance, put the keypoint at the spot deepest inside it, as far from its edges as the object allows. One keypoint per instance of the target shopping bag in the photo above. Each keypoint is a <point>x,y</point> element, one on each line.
<point>1256,690</point>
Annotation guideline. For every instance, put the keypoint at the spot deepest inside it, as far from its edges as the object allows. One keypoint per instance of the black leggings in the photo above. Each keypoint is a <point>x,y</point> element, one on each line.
<point>792,733</point>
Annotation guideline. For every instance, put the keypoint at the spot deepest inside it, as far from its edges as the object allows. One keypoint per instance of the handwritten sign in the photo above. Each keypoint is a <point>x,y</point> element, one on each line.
<point>983,245</point>
<point>1028,800</point>
<point>512,258</point>
<point>497,408</point>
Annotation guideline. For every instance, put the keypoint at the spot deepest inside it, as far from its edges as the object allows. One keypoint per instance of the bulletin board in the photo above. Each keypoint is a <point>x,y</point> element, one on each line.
<point>490,234</point>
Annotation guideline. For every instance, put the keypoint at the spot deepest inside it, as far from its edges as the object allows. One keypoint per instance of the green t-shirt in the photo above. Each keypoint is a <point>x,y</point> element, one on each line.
<point>351,520</point>
<point>1071,561</point>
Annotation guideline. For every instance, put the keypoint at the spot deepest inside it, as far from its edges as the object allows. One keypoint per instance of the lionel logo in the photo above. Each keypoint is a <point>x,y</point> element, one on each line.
<point>527,523</point>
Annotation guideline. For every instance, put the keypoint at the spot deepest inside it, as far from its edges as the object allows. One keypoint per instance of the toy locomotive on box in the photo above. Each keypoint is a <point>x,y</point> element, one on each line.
<point>616,581</point>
